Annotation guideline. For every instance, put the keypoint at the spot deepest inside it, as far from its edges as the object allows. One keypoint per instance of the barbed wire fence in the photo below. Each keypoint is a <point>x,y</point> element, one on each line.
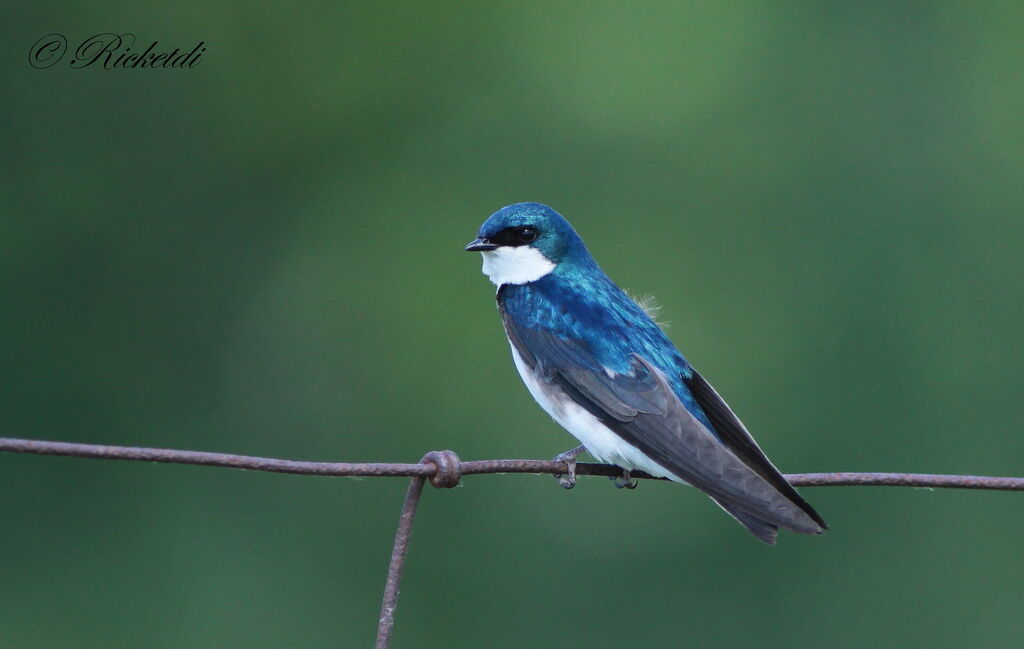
<point>445,470</point>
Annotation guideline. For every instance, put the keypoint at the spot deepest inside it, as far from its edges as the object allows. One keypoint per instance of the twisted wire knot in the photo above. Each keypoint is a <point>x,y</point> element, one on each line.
<point>449,468</point>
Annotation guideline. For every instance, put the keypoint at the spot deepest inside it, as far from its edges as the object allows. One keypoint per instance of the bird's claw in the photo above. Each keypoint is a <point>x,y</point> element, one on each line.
<point>624,481</point>
<point>567,480</point>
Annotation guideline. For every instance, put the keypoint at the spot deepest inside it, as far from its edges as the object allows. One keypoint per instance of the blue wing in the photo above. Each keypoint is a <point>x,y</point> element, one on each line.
<point>705,444</point>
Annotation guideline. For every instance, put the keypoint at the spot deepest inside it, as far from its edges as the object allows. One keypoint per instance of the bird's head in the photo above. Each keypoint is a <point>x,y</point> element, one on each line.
<point>523,242</point>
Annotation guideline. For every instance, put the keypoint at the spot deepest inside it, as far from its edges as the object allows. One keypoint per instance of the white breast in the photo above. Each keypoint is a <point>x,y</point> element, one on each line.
<point>601,442</point>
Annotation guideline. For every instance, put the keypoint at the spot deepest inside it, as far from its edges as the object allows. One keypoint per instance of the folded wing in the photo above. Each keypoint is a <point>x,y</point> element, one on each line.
<point>641,407</point>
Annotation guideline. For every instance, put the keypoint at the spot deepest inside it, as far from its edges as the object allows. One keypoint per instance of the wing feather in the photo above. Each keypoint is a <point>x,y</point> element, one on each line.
<point>734,434</point>
<point>641,407</point>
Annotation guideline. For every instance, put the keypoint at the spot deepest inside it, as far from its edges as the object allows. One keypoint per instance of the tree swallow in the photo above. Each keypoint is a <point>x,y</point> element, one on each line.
<point>603,369</point>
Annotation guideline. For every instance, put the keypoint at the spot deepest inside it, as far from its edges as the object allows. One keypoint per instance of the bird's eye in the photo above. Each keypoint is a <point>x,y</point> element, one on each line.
<point>526,235</point>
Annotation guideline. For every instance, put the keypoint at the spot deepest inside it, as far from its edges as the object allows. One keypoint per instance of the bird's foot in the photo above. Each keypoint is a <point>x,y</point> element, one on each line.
<point>568,479</point>
<point>624,481</point>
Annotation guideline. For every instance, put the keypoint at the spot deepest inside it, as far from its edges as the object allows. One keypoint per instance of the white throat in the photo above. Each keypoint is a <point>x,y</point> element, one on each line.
<point>515,265</point>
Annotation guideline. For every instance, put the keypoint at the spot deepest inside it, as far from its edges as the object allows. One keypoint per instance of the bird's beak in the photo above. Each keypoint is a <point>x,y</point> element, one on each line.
<point>479,245</point>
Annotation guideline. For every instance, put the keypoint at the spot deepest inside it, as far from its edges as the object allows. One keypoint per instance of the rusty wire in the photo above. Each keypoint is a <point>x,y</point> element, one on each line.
<point>444,469</point>
<point>476,467</point>
<point>398,552</point>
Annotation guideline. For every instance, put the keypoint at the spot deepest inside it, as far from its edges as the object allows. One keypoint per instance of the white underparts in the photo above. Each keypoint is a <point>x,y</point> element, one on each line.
<point>515,265</point>
<point>601,442</point>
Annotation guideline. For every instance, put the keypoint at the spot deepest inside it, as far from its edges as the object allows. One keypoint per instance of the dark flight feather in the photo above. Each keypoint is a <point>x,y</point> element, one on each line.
<point>734,434</point>
<point>641,407</point>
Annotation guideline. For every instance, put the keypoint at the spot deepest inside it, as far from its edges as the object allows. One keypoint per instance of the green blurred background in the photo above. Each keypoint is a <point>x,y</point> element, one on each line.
<point>262,255</point>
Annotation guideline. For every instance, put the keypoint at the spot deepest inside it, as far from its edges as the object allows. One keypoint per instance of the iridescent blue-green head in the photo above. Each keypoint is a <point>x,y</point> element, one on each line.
<point>523,242</point>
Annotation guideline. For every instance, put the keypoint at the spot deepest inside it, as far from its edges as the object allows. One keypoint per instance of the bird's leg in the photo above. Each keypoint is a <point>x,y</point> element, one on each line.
<point>568,481</point>
<point>624,481</point>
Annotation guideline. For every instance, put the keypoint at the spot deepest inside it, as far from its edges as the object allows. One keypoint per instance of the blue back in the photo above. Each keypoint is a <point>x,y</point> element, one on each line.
<point>578,302</point>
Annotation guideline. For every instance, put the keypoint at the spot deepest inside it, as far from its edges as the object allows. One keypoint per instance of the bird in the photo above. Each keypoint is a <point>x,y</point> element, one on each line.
<point>602,368</point>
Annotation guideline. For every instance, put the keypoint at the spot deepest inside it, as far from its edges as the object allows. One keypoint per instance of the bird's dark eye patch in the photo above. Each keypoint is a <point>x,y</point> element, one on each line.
<point>515,236</point>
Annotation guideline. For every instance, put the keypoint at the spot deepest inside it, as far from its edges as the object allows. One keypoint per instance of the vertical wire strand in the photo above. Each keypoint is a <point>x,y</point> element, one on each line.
<point>398,552</point>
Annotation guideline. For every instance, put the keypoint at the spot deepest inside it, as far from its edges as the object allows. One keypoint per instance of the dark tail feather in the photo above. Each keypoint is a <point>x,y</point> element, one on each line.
<point>762,530</point>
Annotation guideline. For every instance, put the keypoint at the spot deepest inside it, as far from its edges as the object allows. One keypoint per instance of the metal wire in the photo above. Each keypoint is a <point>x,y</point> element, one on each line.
<point>476,467</point>
<point>444,469</point>
<point>398,552</point>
